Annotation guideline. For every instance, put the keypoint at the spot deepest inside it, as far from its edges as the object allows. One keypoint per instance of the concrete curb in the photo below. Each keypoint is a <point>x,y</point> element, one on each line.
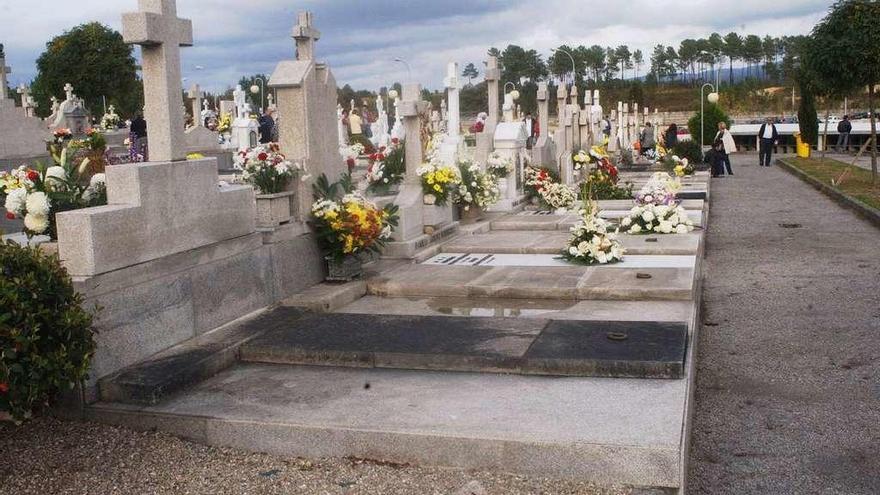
<point>868,213</point>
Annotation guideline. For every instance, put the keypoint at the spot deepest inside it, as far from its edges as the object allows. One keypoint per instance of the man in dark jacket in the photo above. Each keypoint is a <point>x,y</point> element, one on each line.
<point>769,136</point>
<point>843,130</point>
<point>267,127</point>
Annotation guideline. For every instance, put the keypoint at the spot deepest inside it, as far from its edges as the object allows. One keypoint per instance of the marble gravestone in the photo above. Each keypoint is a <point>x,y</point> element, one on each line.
<point>22,137</point>
<point>451,148</point>
<point>305,89</point>
<point>485,138</point>
<point>199,139</point>
<point>510,142</point>
<point>245,130</point>
<point>543,151</point>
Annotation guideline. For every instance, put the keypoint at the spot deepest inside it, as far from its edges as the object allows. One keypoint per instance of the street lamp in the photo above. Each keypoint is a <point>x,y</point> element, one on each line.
<point>261,89</point>
<point>573,66</point>
<point>713,98</point>
<point>408,68</point>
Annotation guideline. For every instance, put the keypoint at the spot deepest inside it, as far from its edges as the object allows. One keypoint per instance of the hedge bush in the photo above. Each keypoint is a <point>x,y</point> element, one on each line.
<point>46,337</point>
<point>689,149</point>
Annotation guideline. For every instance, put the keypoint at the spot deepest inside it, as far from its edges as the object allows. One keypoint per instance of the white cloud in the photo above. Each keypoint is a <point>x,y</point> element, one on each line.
<point>361,39</point>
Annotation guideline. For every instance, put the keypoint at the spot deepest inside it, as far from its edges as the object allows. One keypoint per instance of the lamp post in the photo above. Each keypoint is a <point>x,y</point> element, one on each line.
<point>408,68</point>
<point>259,89</point>
<point>573,65</point>
<point>713,98</point>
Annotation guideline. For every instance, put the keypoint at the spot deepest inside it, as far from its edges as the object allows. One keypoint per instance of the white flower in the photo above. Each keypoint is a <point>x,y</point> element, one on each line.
<point>97,180</point>
<point>56,172</point>
<point>681,229</point>
<point>36,223</point>
<point>635,229</point>
<point>664,227</point>
<point>626,221</point>
<point>15,200</point>
<point>573,251</point>
<point>647,216</point>
<point>38,204</point>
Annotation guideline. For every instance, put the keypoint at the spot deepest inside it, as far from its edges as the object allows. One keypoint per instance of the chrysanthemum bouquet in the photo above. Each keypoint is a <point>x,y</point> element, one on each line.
<point>558,196</point>
<point>267,169</point>
<point>477,189</point>
<point>438,182</point>
<point>657,219</point>
<point>498,165</point>
<point>591,243</point>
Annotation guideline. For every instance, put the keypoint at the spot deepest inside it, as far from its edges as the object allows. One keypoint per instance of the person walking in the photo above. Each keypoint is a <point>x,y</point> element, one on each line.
<point>769,137</point>
<point>844,128</point>
<point>728,148</point>
<point>671,137</point>
<point>267,126</point>
<point>138,136</point>
<point>532,130</point>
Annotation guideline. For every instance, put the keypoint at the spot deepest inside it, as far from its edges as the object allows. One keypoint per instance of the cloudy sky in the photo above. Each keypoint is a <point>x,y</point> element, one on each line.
<point>361,38</point>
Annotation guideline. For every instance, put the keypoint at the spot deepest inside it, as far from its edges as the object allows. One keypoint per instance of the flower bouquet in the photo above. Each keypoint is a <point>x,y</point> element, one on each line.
<point>61,135</point>
<point>266,168</point>
<point>38,194</point>
<point>498,165</point>
<point>477,190</point>
<point>558,196</point>
<point>387,168</point>
<point>224,125</point>
<point>680,166</point>
<point>602,182</point>
<point>580,160</point>
<point>658,219</point>
<point>351,153</point>
<point>536,179</point>
<point>110,121</point>
<point>347,225</point>
<point>660,190</point>
<point>438,182</point>
<point>591,243</point>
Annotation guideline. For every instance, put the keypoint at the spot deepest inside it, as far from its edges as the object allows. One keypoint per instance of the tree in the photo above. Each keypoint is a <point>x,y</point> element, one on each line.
<point>494,52</point>
<point>716,47</point>
<point>808,120</point>
<point>260,99</point>
<point>594,58</point>
<point>712,115</point>
<point>559,64</point>
<point>843,55</point>
<point>518,64</point>
<point>732,50</point>
<point>638,60</point>
<point>470,72</point>
<point>752,51</point>
<point>624,59</point>
<point>94,59</point>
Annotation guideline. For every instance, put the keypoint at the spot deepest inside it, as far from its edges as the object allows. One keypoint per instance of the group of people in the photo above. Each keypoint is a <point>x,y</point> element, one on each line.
<point>358,122</point>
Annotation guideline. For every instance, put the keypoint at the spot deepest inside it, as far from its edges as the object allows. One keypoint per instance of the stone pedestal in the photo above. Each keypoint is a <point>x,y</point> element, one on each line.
<point>245,133</point>
<point>510,142</point>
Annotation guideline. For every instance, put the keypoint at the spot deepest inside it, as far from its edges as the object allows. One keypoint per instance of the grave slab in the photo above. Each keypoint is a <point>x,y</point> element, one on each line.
<point>546,260</point>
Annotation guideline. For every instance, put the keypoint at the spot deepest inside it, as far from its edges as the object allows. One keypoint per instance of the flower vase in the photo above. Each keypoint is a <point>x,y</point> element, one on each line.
<point>346,269</point>
<point>273,209</point>
<point>471,215</point>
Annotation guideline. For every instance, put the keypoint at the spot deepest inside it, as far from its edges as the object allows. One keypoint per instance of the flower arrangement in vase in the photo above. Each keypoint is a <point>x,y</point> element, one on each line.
<point>591,243</point>
<point>476,191</point>
<point>387,169</point>
<point>270,172</point>
<point>438,182</point>
<point>498,165</point>
<point>660,189</point>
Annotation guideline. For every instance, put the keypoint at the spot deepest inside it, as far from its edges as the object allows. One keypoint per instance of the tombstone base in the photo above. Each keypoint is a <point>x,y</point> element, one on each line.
<point>509,204</point>
<point>412,248</point>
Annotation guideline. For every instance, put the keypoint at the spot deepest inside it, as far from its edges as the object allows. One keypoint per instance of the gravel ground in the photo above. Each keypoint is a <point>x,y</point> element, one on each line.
<point>787,397</point>
<point>50,456</point>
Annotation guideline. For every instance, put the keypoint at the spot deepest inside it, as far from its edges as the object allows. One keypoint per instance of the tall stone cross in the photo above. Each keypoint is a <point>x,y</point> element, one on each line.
<point>493,75</point>
<point>195,94</point>
<point>452,110</point>
<point>306,36</point>
<point>161,33</point>
<point>4,69</point>
<point>543,110</point>
<point>410,109</point>
<point>68,92</point>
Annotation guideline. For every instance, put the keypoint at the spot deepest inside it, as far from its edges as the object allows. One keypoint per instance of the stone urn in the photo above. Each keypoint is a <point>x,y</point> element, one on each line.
<point>346,269</point>
<point>273,209</point>
<point>471,215</point>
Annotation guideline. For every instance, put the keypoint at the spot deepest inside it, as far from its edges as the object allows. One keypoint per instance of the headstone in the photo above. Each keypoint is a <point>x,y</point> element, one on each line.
<point>542,150</point>
<point>305,92</point>
<point>510,143</point>
<point>21,136</point>
<point>161,33</point>
<point>242,108</point>
<point>397,131</point>
<point>27,101</point>
<point>493,76</point>
<point>148,215</point>
<point>380,129</point>
<point>450,150</point>
<point>227,107</point>
<point>200,139</point>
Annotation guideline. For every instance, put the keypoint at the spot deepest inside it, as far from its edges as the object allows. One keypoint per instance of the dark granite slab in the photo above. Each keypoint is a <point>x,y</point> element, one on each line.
<point>691,195</point>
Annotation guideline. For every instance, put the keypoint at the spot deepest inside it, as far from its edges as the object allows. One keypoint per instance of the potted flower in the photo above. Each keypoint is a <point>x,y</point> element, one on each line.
<point>536,179</point>
<point>500,166</point>
<point>270,172</point>
<point>476,191</point>
<point>348,226</point>
<point>438,182</point>
<point>386,170</point>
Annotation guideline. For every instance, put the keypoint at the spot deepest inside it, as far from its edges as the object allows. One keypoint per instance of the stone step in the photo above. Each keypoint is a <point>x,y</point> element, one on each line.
<point>570,282</point>
<point>172,370</point>
<point>531,346</point>
<point>553,242</point>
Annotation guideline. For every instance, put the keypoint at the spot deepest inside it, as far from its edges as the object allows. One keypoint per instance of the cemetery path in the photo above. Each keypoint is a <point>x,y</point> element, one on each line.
<point>787,397</point>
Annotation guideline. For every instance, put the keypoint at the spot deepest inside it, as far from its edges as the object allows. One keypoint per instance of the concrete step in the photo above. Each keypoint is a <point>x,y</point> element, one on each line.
<point>607,431</point>
<point>170,371</point>
<point>531,346</point>
<point>570,282</point>
<point>553,242</point>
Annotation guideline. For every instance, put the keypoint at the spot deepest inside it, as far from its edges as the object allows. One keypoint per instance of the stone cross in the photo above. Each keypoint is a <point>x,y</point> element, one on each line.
<point>453,86</point>
<point>561,96</point>
<point>68,92</point>
<point>4,69</point>
<point>574,96</point>
<point>493,75</point>
<point>161,33</point>
<point>24,91</point>
<point>410,109</point>
<point>543,110</point>
<point>239,97</point>
<point>306,36</point>
<point>195,94</point>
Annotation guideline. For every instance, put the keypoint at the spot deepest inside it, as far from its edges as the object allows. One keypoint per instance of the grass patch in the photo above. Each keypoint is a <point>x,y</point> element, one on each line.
<point>857,184</point>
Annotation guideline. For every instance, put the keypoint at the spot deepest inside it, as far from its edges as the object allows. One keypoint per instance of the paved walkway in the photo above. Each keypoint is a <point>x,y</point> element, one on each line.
<point>787,397</point>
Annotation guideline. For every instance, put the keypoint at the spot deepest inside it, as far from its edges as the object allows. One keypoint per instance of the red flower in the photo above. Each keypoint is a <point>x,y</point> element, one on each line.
<point>381,148</point>
<point>380,156</point>
<point>10,215</point>
<point>32,175</point>
<point>395,140</point>
<point>262,157</point>
<point>350,162</point>
<point>4,387</point>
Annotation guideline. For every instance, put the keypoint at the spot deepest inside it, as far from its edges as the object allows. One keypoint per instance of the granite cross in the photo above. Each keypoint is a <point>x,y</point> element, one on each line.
<point>305,35</point>
<point>195,94</point>
<point>452,86</point>
<point>161,33</point>
<point>4,69</point>
<point>68,92</point>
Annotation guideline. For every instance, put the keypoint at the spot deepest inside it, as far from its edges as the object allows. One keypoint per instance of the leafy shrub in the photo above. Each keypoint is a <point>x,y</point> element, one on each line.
<point>46,337</point>
<point>689,149</point>
<point>713,114</point>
